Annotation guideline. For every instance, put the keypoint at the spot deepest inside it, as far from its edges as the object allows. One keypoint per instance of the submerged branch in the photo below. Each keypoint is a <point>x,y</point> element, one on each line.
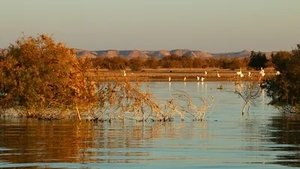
<point>249,92</point>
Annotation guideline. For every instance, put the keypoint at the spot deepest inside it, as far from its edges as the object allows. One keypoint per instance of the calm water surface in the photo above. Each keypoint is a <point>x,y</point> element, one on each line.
<point>262,139</point>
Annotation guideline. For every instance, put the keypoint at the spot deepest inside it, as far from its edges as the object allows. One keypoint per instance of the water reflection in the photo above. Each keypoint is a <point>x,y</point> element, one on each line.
<point>24,141</point>
<point>42,141</point>
<point>286,132</point>
<point>225,140</point>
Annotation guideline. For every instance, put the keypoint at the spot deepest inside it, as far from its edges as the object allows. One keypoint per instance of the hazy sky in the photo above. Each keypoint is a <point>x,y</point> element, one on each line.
<point>210,25</point>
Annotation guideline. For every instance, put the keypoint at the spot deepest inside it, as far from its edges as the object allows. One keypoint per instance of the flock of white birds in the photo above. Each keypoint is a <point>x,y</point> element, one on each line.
<point>239,73</point>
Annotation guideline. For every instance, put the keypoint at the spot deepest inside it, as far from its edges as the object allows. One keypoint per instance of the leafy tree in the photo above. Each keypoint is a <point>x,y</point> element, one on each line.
<point>152,62</point>
<point>257,60</point>
<point>37,74</point>
<point>230,63</point>
<point>136,64</point>
<point>187,61</point>
<point>281,60</point>
<point>198,63</point>
<point>172,61</point>
<point>114,63</point>
<point>284,89</point>
<point>97,62</point>
<point>211,62</point>
<point>244,62</point>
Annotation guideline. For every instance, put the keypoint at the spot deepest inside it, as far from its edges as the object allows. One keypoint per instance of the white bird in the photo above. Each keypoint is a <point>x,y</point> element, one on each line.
<point>205,72</point>
<point>240,73</point>
<point>218,75</point>
<point>170,78</point>
<point>249,74</point>
<point>124,73</point>
<point>202,79</point>
<point>277,73</point>
<point>198,78</point>
<point>184,79</point>
<point>262,72</point>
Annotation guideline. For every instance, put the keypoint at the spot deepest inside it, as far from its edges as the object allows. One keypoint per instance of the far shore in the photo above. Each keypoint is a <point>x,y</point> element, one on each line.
<point>184,74</point>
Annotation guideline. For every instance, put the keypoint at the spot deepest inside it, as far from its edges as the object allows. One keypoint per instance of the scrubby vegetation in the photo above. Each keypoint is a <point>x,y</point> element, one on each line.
<point>284,89</point>
<point>258,60</point>
<point>40,76</point>
<point>172,61</point>
<point>44,79</point>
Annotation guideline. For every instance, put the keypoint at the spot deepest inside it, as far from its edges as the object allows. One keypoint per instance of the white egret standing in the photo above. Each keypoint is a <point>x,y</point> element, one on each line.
<point>198,78</point>
<point>262,72</point>
<point>239,72</point>
<point>124,73</point>
<point>249,74</point>
<point>242,75</point>
<point>170,87</point>
<point>170,78</point>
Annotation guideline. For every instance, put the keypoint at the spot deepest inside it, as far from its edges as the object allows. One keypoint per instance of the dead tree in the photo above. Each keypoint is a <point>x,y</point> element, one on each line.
<point>249,92</point>
<point>187,106</point>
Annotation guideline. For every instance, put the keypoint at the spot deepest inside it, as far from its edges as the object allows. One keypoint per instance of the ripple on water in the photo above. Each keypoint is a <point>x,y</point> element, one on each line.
<point>262,139</point>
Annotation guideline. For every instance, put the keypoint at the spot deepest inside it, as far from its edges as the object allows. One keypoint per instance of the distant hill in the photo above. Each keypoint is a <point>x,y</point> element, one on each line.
<point>86,53</point>
<point>243,53</point>
<point>143,54</point>
<point>191,53</point>
<point>163,53</point>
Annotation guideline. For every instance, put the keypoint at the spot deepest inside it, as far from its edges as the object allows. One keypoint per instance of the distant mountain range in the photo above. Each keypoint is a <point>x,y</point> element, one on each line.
<point>162,53</point>
<point>159,53</point>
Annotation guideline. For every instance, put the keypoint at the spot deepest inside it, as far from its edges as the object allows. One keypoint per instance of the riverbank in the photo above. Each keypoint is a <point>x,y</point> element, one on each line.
<point>189,75</point>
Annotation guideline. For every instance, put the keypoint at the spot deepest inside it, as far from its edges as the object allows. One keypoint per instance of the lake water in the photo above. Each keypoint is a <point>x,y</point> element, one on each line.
<point>262,139</point>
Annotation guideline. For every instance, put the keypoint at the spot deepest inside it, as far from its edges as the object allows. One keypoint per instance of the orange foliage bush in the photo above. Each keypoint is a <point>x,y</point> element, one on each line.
<point>38,74</point>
